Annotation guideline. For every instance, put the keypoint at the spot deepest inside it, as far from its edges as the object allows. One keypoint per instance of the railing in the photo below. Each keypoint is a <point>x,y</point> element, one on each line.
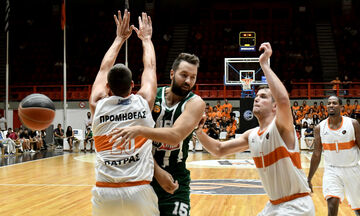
<point>304,90</point>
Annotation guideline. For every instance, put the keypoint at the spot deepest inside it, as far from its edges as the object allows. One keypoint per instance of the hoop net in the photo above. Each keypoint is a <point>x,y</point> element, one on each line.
<point>246,83</point>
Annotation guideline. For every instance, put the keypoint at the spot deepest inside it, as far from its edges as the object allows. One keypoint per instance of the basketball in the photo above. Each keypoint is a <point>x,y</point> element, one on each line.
<point>36,111</point>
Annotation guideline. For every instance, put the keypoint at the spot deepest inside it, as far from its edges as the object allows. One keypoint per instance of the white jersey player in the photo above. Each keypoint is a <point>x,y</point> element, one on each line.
<point>124,169</point>
<point>273,146</point>
<point>339,137</point>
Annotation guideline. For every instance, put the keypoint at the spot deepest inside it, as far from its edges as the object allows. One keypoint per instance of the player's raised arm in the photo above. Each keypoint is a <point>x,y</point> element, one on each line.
<point>123,32</point>
<point>284,120</point>
<point>148,78</point>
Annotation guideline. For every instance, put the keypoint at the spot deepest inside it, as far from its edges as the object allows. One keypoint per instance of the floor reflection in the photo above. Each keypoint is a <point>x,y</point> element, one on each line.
<point>6,160</point>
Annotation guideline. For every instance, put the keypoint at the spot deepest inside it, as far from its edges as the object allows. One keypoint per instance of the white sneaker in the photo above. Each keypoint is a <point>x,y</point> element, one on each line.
<point>32,151</point>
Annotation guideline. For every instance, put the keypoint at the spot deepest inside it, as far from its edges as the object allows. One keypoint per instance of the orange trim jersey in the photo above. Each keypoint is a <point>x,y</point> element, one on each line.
<point>279,168</point>
<point>339,144</point>
<point>122,164</point>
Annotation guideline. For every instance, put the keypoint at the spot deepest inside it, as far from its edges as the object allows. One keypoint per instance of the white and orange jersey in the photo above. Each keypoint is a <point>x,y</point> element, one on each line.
<point>339,144</point>
<point>279,168</point>
<point>125,164</point>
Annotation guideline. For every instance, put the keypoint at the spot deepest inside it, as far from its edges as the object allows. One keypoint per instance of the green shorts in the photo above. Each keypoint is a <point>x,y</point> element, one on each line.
<point>177,203</point>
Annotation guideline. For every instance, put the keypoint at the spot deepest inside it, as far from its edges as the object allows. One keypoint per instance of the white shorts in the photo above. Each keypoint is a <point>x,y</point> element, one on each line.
<point>302,206</point>
<point>338,181</point>
<point>129,201</point>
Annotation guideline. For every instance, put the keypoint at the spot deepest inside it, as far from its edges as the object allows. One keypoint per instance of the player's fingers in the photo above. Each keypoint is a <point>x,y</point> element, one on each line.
<point>144,18</point>
<point>136,30</point>
<point>149,19</point>
<point>114,137</point>
<point>116,20</point>
<point>140,22</point>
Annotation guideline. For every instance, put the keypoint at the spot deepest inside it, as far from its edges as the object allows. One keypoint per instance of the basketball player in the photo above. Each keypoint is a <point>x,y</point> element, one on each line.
<point>273,145</point>
<point>339,136</point>
<point>177,112</point>
<point>124,170</point>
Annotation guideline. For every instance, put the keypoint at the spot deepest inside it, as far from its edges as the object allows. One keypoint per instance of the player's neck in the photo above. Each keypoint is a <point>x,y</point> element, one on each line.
<point>265,121</point>
<point>171,98</point>
<point>335,120</point>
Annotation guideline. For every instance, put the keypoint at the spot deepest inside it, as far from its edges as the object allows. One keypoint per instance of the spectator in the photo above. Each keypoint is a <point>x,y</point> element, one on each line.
<point>343,112</point>
<point>70,137</point>
<point>346,85</point>
<point>301,113</point>
<point>3,123</point>
<point>295,106</point>
<point>59,136</point>
<point>348,107</point>
<point>322,106</point>
<point>315,107</point>
<point>226,113</point>
<point>305,106</point>
<point>336,83</point>
<point>356,108</point>
<point>35,139</point>
<point>25,140</point>
<point>10,142</point>
<point>218,106</point>
<point>43,136</point>
<point>316,119</point>
<point>311,113</point>
<point>309,136</point>
<point>228,105</point>
<point>305,125</point>
<point>306,119</point>
<point>88,139</point>
<point>323,113</point>
<point>209,107</point>
<point>88,120</point>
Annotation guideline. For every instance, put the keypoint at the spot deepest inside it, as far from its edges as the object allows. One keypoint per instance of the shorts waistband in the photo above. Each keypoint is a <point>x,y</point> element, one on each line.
<point>288,198</point>
<point>121,184</point>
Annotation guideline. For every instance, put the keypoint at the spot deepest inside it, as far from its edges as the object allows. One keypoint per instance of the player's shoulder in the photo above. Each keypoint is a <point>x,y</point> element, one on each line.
<point>196,100</point>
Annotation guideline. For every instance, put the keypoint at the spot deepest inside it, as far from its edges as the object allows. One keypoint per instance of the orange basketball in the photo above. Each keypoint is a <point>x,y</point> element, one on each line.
<point>36,111</point>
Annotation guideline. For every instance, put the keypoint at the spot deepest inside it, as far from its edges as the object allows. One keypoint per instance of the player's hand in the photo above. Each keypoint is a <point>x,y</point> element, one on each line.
<point>310,186</point>
<point>201,123</point>
<point>145,27</point>
<point>123,135</point>
<point>123,30</point>
<point>166,181</point>
<point>264,57</point>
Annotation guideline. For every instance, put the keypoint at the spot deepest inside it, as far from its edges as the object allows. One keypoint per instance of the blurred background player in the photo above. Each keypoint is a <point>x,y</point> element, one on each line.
<point>339,136</point>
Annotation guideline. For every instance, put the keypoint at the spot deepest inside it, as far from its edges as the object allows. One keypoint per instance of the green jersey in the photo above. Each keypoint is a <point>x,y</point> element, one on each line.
<point>170,157</point>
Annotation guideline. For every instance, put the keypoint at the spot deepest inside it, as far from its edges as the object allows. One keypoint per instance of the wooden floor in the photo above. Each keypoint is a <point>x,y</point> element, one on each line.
<point>62,185</point>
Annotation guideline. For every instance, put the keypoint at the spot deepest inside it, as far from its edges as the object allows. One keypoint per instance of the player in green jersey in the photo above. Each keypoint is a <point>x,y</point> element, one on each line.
<point>177,111</point>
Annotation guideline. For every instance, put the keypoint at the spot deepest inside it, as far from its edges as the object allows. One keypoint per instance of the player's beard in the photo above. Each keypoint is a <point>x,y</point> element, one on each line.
<point>176,89</point>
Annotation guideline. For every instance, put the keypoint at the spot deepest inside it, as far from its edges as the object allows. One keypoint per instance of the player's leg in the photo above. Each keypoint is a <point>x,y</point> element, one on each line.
<point>333,189</point>
<point>333,206</point>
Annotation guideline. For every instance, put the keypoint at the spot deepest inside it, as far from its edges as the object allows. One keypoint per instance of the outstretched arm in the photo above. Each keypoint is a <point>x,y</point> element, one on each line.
<point>284,119</point>
<point>316,157</point>
<point>217,148</point>
<point>165,179</point>
<point>123,32</point>
<point>182,127</point>
<point>148,78</point>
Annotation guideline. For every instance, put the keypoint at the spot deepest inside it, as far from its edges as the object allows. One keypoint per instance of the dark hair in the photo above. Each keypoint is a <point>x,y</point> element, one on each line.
<point>339,100</point>
<point>119,79</point>
<point>190,58</point>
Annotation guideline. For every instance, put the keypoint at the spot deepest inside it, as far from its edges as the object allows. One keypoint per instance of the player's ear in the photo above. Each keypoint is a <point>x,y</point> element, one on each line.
<point>274,107</point>
<point>172,74</point>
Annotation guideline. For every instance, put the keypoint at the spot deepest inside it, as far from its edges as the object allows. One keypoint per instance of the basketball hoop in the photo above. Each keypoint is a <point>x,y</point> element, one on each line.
<point>246,83</point>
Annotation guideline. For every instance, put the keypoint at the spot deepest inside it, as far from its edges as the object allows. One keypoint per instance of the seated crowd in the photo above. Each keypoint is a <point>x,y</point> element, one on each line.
<point>220,118</point>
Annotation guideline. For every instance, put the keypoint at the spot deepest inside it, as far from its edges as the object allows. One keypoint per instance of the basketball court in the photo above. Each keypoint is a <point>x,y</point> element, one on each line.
<point>54,183</point>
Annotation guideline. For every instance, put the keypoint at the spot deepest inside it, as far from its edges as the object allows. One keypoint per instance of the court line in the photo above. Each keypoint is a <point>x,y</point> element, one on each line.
<point>31,161</point>
<point>50,185</point>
